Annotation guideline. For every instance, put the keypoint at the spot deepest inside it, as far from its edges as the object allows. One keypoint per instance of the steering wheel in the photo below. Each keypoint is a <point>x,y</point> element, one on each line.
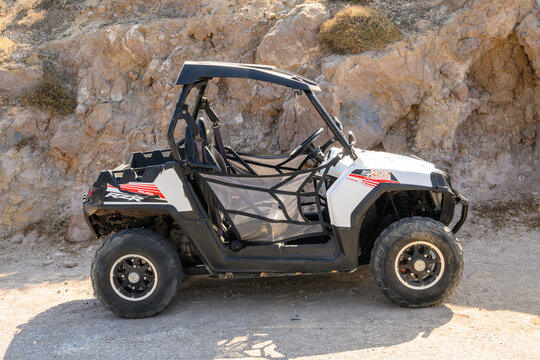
<point>306,144</point>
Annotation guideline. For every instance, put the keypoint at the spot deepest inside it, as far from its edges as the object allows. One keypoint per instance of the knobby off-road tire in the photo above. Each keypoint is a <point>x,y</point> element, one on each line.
<point>412,249</point>
<point>136,273</point>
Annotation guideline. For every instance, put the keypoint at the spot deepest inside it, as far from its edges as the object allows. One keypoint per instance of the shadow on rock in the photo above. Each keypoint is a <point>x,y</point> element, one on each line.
<point>267,317</point>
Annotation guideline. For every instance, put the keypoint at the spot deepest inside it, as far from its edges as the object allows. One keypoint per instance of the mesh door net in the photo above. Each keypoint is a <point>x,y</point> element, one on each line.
<point>267,165</point>
<point>267,209</point>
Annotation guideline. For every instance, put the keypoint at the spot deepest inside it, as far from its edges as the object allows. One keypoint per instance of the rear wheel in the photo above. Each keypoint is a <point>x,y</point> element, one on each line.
<point>417,262</point>
<point>136,273</point>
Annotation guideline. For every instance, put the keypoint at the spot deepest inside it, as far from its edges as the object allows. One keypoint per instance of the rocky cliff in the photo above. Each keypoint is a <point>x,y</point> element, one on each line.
<point>460,88</point>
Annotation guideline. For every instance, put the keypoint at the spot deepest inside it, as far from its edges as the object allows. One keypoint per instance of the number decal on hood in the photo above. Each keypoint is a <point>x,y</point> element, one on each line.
<point>372,177</point>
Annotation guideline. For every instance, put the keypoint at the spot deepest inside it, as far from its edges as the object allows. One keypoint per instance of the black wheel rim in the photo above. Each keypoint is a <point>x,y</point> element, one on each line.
<point>133,277</point>
<point>419,265</point>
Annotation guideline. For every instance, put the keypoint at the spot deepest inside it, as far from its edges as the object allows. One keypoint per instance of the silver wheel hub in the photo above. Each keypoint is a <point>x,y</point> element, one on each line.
<point>419,265</point>
<point>133,277</point>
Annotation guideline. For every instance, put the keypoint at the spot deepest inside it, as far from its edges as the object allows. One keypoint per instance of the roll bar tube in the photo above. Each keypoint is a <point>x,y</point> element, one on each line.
<point>328,120</point>
<point>180,106</point>
<point>174,120</point>
<point>202,85</point>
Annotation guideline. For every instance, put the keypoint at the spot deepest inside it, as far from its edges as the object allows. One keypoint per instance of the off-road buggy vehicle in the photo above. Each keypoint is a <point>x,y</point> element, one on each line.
<point>203,208</point>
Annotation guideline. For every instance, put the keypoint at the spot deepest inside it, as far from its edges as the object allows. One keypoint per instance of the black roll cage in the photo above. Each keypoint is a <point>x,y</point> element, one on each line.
<point>190,78</point>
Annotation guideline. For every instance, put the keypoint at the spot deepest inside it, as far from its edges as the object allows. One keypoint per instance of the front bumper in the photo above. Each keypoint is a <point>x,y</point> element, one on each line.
<point>460,199</point>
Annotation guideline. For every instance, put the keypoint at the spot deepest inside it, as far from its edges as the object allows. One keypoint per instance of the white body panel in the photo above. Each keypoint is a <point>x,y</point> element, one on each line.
<point>167,186</point>
<point>348,191</point>
<point>172,188</point>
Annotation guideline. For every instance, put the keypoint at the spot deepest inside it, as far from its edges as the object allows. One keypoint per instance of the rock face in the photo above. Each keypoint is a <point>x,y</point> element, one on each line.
<point>461,89</point>
<point>78,231</point>
<point>528,32</point>
<point>17,78</point>
<point>292,41</point>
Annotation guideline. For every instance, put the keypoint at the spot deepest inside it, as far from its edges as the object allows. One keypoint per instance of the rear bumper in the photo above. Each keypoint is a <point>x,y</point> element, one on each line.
<point>88,210</point>
<point>460,199</point>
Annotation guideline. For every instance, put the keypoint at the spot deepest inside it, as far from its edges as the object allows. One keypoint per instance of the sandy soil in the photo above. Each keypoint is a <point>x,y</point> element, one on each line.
<point>48,310</point>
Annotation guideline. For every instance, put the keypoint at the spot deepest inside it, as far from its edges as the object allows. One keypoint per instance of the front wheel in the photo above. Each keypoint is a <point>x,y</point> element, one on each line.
<point>417,262</point>
<point>136,273</point>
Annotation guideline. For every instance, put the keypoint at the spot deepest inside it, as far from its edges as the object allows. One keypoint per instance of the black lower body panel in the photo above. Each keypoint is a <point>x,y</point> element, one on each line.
<point>338,253</point>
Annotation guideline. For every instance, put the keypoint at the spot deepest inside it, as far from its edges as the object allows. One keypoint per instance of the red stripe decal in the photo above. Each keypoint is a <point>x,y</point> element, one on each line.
<point>145,189</point>
<point>366,181</point>
<point>140,186</point>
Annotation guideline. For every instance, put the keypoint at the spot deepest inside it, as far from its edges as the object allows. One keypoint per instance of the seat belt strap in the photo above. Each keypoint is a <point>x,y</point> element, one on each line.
<point>215,127</point>
<point>194,128</point>
<point>199,146</point>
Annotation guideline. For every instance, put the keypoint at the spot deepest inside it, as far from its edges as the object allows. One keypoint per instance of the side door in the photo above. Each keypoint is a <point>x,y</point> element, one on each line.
<point>272,209</point>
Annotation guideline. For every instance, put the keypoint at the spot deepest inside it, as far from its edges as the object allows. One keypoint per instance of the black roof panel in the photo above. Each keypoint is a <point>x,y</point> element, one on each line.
<point>195,70</point>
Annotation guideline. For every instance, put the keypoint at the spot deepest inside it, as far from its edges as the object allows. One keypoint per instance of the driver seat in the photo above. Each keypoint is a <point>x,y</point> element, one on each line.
<point>211,157</point>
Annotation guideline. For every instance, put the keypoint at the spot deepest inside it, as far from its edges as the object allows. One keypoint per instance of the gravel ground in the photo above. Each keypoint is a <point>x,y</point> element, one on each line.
<point>48,311</point>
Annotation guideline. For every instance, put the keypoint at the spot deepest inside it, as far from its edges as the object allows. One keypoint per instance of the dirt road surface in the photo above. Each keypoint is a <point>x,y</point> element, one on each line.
<point>48,310</point>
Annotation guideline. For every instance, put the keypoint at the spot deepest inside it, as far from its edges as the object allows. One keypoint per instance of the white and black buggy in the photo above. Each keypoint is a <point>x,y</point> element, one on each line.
<point>201,207</point>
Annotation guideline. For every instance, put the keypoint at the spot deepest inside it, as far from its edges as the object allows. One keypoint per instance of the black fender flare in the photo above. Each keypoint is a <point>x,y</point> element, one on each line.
<point>167,209</point>
<point>359,213</point>
<point>439,184</point>
<point>185,222</point>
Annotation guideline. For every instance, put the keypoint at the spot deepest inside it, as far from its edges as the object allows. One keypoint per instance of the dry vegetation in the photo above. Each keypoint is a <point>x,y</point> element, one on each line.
<point>51,94</point>
<point>501,212</point>
<point>356,29</point>
<point>356,2</point>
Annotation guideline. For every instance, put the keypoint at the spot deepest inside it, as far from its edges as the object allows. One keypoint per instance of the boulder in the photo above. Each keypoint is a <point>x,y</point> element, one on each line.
<point>25,124</point>
<point>98,118</point>
<point>293,39</point>
<point>151,72</point>
<point>528,33</point>
<point>17,78</point>
<point>134,43</point>
<point>78,230</point>
<point>364,118</point>
<point>142,43</point>
<point>460,91</point>
<point>66,142</point>
<point>395,143</point>
<point>119,88</point>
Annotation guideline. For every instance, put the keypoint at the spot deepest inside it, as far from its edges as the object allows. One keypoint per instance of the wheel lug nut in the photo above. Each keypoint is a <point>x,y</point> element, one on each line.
<point>428,271</point>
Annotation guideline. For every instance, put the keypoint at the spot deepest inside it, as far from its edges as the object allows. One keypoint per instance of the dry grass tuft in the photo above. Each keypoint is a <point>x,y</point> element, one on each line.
<point>523,209</point>
<point>51,94</point>
<point>356,29</point>
<point>356,2</point>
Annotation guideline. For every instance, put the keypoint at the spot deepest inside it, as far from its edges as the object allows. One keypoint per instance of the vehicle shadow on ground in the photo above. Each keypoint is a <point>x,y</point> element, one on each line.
<point>251,318</point>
